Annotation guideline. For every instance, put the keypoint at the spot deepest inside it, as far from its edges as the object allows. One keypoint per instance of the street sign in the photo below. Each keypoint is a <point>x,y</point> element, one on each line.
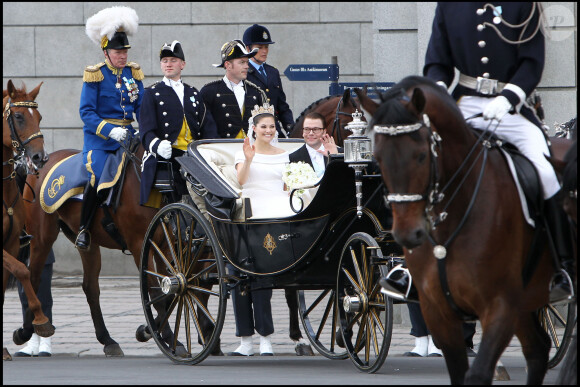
<point>312,72</point>
<point>374,88</point>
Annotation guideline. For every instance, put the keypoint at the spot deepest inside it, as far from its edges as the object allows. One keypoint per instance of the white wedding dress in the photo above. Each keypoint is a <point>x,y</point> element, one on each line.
<point>265,187</point>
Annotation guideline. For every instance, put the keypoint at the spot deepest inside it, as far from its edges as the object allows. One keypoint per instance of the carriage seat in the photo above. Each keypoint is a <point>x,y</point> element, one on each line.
<point>220,157</point>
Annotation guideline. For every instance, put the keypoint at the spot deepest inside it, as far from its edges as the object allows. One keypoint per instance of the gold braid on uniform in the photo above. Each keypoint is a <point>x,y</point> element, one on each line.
<point>136,71</point>
<point>93,73</point>
<point>264,96</point>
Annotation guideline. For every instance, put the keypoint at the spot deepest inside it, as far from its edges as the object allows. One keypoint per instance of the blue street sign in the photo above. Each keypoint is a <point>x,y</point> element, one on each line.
<point>312,72</point>
<point>373,88</point>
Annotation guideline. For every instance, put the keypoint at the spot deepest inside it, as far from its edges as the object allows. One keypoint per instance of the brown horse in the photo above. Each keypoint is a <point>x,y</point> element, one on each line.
<point>337,111</point>
<point>130,218</point>
<point>23,146</point>
<point>476,252</point>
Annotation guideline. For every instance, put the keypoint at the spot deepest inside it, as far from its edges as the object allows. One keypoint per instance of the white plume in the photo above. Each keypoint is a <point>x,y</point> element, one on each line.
<point>109,20</point>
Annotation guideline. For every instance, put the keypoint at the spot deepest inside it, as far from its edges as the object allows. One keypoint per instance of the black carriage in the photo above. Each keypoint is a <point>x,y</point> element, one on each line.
<point>332,252</point>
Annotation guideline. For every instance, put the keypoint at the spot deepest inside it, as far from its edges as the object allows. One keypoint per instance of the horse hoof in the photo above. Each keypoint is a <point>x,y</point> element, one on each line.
<point>113,350</point>
<point>304,350</point>
<point>6,355</point>
<point>44,330</point>
<point>19,337</point>
<point>142,334</point>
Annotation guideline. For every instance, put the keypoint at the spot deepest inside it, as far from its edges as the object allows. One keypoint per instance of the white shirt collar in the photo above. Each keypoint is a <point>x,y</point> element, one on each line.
<point>172,83</point>
<point>231,85</point>
<point>314,154</point>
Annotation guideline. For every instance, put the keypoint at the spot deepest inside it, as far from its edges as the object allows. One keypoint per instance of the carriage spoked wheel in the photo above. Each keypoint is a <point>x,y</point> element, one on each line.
<point>182,287</point>
<point>319,316</point>
<point>559,321</point>
<point>365,314</point>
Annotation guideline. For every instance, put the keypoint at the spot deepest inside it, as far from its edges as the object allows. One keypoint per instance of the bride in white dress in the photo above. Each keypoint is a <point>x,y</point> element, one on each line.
<point>260,165</point>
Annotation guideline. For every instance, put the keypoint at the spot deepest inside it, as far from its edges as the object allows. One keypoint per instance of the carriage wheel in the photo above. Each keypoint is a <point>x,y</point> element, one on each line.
<point>182,287</point>
<point>559,321</point>
<point>320,321</point>
<point>366,315</point>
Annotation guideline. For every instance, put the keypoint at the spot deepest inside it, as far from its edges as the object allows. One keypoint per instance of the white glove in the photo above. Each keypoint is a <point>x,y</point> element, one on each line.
<point>497,108</point>
<point>164,149</point>
<point>118,134</point>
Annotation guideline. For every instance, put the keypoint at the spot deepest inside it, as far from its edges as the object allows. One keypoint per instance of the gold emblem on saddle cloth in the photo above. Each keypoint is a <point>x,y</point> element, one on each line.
<point>269,243</point>
<point>55,186</point>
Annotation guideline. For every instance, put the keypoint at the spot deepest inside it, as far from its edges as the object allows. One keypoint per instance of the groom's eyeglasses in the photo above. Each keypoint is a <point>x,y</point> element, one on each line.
<point>313,130</point>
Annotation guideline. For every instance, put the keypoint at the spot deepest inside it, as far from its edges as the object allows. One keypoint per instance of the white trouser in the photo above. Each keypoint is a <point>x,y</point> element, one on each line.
<point>516,129</point>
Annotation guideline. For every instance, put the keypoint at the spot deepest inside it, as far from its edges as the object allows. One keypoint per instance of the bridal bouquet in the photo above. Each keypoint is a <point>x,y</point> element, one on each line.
<point>299,175</point>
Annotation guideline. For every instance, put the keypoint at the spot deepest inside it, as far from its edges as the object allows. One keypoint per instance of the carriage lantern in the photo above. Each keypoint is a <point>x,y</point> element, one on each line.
<point>357,153</point>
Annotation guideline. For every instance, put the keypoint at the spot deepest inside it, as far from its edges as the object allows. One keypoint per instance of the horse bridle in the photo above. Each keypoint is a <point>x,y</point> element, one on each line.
<point>336,122</point>
<point>432,194</point>
<point>17,145</point>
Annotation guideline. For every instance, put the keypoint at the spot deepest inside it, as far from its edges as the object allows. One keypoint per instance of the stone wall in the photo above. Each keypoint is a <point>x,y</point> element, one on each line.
<point>380,42</point>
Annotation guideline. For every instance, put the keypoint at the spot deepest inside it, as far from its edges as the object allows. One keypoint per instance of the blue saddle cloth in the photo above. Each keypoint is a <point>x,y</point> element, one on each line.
<point>68,178</point>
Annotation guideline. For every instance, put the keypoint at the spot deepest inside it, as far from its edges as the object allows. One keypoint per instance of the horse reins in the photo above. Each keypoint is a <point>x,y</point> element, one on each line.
<point>18,148</point>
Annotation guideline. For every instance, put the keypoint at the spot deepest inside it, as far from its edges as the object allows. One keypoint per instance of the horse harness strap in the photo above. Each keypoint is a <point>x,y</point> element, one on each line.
<point>336,122</point>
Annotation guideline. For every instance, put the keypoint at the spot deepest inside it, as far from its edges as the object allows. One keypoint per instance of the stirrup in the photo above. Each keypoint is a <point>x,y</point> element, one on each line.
<point>407,292</point>
<point>25,239</point>
<point>570,297</point>
<point>77,245</point>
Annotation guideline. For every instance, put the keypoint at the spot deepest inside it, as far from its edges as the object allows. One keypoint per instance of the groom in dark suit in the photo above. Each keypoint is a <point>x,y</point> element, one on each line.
<point>319,144</point>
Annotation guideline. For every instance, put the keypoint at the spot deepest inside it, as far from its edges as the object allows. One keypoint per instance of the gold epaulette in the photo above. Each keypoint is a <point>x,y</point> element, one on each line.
<point>136,71</point>
<point>93,73</point>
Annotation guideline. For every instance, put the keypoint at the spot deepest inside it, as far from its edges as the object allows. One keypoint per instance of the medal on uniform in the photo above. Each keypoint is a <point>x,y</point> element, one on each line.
<point>118,84</point>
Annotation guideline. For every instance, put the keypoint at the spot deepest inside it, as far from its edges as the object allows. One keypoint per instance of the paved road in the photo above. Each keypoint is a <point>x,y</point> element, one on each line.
<point>120,300</point>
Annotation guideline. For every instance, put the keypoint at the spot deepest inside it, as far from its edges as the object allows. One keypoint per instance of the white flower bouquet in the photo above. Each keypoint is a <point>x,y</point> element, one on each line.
<point>299,175</point>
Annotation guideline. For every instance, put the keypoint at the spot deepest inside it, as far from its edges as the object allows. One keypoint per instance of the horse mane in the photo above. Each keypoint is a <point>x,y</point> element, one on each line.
<point>313,105</point>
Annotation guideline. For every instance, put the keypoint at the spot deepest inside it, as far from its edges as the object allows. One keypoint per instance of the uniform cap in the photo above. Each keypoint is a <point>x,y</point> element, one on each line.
<point>172,50</point>
<point>257,34</point>
<point>110,27</point>
<point>233,50</point>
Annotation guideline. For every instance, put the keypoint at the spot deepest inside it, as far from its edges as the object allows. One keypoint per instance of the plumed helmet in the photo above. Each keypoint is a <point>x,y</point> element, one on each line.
<point>257,34</point>
<point>172,50</point>
<point>109,27</point>
<point>233,50</point>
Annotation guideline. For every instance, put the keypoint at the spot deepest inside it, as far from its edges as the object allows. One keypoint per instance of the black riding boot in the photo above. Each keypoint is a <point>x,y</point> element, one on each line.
<point>558,225</point>
<point>88,211</point>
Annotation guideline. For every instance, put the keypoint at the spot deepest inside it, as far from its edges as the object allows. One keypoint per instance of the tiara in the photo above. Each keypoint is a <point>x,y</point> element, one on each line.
<point>264,109</point>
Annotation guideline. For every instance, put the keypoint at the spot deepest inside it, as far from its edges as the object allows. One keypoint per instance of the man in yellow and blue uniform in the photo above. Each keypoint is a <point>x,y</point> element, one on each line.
<point>267,77</point>
<point>111,95</point>
<point>172,115</point>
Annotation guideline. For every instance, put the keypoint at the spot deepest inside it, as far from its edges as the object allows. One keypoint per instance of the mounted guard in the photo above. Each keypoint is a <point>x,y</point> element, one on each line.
<point>112,93</point>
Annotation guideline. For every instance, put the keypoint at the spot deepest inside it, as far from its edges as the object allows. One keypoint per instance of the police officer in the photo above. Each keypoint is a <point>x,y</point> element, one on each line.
<point>232,98</point>
<point>172,115</point>
<point>499,52</point>
<point>112,93</point>
<point>268,77</point>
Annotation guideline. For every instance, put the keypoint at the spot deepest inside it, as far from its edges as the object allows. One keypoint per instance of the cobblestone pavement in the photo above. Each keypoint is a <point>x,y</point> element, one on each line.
<point>123,313</point>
